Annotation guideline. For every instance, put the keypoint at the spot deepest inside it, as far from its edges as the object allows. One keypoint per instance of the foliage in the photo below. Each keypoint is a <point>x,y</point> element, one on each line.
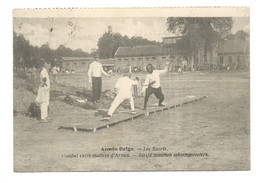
<point>203,26</point>
<point>110,42</point>
<point>240,34</point>
<point>26,55</point>
<point>199,32</point>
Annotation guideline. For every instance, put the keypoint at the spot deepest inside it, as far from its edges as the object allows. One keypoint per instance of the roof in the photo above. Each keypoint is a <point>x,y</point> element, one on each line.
<point>148,50</point>
<point>107,62</point>
<point>236,46</point>
<point>171,37</point>
<point>102,61</point>
<point>76,58</point>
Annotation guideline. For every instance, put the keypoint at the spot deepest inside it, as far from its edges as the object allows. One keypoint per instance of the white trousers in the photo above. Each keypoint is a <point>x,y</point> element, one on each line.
<point>44,110</point>
<point>117,101</point>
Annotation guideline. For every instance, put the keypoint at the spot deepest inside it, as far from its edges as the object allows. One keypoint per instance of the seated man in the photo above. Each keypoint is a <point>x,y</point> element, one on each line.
<point>123,89</point>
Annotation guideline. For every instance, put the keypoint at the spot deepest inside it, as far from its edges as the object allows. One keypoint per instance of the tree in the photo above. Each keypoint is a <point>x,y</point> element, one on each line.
<point>80,53</point>
<point>241,34</point>
<point>21,53</point>
<point>46,52</point>
<point>230,37</point>
<point>63,51</point>
<point>105,45</point>
<point>93,52</point>
<point>200,31</point>
<point>138,41</point>
<point>110,42</point>
<point>26,55</point>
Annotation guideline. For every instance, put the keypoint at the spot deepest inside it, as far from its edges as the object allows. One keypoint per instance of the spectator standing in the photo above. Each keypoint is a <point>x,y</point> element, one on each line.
<point>43,96</point>
<point>94,75</point>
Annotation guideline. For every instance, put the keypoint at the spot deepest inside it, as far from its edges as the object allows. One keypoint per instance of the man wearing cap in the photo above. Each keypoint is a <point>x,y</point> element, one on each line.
<point>123,89</point>
<point>94,75</point>
<point>152,84</point>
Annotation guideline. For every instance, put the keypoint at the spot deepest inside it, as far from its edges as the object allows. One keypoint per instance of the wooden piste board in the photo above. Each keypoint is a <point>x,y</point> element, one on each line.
<point>92,124</point>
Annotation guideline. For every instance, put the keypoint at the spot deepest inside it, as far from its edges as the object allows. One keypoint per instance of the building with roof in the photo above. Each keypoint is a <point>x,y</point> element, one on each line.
<point>234,53</point>
<point>77,64</point>
<point>140,56</point>
<point>171,39</point>
<point>81,64</point>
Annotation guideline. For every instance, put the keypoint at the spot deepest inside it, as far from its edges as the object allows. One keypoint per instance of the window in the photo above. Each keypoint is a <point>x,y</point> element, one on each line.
<point>221,59</point>
<point>238,58</point>
<point>154,58</point>
<point>146,59</point>
<point>119,59</point>
<point>83,63</point>
<point>133,59</point>
<point>75,63</point>
<point>230,59</point>
<point>163,57</point>
<point>67,64</point>
<point>139,58</point>
<point>125,59</point>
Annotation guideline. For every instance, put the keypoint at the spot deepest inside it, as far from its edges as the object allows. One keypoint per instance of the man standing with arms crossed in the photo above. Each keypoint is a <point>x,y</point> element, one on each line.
<point>152,84</point>
<point>94,75</point>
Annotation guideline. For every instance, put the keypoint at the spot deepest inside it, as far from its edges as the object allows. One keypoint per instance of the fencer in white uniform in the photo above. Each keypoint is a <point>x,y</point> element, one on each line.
<point>123,88</point>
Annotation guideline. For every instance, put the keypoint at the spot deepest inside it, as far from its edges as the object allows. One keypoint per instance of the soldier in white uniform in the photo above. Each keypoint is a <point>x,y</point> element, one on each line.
<point>123,89</point>
<point>43,95</point>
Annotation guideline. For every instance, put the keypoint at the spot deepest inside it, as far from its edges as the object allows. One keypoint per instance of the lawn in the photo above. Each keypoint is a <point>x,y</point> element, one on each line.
<point>212,134</point>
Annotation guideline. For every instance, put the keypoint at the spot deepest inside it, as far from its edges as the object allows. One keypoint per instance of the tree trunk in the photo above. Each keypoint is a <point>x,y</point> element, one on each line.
<point>210,51</point>
<point>196,59</point>
<point>206,53</point>
<point>192,62</point>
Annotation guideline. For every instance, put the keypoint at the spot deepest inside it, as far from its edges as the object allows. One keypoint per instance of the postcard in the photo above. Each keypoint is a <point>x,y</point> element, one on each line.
<point>131,89</point>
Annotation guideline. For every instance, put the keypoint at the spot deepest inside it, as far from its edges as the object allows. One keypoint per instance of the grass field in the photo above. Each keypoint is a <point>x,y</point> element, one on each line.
<point>218,127</point>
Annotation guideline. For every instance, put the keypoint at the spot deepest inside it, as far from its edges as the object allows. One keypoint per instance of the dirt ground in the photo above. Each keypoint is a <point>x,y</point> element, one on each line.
<point>217,128</point>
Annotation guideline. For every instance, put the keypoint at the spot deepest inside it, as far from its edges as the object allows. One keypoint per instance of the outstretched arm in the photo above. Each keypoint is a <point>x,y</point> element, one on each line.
<point>102,70</point>
<point>166,68</point>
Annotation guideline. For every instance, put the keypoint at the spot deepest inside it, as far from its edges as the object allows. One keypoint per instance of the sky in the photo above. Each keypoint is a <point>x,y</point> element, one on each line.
<point>83,33</point>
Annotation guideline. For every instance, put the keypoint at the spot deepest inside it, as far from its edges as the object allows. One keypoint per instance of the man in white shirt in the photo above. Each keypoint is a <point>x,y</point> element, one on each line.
<point>152,84</point>
<point>54,74</point>
<point>123,89</point>
<point>43,95</point>
<point>94,75</point>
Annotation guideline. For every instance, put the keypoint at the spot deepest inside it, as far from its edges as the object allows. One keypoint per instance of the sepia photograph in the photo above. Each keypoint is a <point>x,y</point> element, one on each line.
<point>131,89</point>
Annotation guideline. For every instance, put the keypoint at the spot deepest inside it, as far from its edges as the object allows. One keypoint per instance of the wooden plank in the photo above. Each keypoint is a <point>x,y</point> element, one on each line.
<point>92,124</point>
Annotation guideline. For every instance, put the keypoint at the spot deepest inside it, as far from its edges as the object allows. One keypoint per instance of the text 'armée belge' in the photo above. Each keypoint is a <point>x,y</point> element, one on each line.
<point>129,149</point>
